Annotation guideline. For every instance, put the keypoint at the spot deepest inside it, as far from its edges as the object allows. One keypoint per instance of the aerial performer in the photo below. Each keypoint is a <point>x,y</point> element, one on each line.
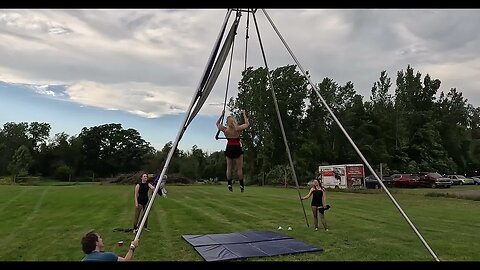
<point>233,150</point>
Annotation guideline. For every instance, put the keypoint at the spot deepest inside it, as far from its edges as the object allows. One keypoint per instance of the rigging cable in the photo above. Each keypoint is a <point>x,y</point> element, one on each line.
<point>315,88</point>
<point>280,120</point>
<point>228,81</point>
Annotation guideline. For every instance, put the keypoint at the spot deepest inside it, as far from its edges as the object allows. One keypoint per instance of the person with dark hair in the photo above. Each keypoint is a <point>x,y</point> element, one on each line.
<point>233,151</point>
<point>141,201</point>
<point>319,203</point>
<point>93,247</point>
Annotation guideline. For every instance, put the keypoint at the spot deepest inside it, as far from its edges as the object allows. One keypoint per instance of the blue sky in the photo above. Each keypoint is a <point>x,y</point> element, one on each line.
<point>20,104</point>
<point>140,68</point>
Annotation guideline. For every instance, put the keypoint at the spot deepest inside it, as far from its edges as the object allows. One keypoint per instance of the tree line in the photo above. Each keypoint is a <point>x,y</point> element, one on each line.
<point>410,127</point>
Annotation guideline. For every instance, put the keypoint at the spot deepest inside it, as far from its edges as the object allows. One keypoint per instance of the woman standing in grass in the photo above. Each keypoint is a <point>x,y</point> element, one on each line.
<point>319,203</point>
<point>141,200</point>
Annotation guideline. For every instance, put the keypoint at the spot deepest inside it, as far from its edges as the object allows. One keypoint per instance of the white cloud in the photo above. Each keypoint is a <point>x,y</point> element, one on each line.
<point>463,80</point>
<point>27,21</point>
<point>142,99</point>
<point>43,90</point>
<point>149,62</point>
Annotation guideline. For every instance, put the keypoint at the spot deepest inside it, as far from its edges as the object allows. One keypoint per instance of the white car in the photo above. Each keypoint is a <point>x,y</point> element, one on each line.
<point>460,179</point>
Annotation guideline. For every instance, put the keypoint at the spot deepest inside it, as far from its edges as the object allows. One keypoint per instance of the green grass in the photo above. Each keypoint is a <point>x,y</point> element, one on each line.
<point>46,223</point>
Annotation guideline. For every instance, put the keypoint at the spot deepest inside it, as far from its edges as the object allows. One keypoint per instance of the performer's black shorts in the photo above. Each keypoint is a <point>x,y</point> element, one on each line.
<point>233,151</point>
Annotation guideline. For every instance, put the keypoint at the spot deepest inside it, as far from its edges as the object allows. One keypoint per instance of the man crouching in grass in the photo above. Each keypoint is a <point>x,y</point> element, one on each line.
<point>92,246</point>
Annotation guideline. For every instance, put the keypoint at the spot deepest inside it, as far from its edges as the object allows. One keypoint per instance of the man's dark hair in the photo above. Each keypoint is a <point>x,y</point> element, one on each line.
<point>89,242</point>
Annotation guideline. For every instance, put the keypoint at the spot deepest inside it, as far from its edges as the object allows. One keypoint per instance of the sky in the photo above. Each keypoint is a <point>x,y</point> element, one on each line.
<point>78,68</point>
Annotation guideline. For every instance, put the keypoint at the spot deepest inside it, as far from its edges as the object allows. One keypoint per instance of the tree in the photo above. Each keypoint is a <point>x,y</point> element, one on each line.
<point>215,166</point>
<point>109,149</point>
<point>63,150</point>
<point>38,134</point>
<point>317,141</point>
<point>21,161</point>
<point>453,110</point>
<point>379,128</point>
<point>263,142</point>
<point>380,89</point>
<point>427,151</point>
<point>12,136</point>
<point>415,109</point>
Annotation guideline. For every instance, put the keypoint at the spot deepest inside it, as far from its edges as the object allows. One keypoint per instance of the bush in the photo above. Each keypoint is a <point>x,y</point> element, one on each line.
<point>277,175</point>
<point>6,180</point>
<point>63,173</point>
<point>179,179</point>
<point>211,181</point>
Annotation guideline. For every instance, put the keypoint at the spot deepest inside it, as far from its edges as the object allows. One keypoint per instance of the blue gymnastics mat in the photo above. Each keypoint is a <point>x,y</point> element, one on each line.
<point>241,245</point>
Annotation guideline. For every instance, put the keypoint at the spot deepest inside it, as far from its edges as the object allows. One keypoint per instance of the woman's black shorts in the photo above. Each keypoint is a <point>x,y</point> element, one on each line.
<point>321,209</point>
<point>233,151</point>
<point>142,200</point>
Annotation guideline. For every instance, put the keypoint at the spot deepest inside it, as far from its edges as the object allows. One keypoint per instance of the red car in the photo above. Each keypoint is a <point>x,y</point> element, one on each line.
<point>405,180</point>
<point>434,180</point>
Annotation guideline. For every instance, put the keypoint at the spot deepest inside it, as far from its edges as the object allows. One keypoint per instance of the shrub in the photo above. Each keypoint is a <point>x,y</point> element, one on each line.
<point>63,172</point>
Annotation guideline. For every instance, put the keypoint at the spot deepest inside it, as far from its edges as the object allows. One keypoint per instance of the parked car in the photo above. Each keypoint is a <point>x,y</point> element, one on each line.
<point>455,180</point>
<point>405,180</point>
<point>460,179</point>
<point>371,182</point>
<point>433,180</point>
<point>388,181</point>
<point>476,180</point>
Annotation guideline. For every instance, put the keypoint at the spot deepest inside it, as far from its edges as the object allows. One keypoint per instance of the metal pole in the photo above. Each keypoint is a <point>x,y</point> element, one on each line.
<point>381,172</point>
<point>182,129</point>
<point>350,139</point>
<point>280,120</point>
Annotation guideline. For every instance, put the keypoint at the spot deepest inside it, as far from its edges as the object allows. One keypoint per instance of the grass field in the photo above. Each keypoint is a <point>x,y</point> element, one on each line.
<point>46,223</point>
